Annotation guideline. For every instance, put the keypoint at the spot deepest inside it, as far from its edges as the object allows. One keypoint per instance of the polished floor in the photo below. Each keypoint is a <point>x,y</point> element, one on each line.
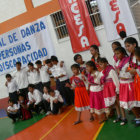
<point>60,127</point>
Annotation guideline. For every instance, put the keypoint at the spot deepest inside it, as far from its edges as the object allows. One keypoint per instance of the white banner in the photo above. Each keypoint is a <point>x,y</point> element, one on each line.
<point>117,18</point>
<point>30,42</point>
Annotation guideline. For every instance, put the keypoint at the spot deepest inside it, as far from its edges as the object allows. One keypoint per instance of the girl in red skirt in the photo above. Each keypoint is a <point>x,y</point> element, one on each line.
<point>110,81</point>
<point>131,45</point>
<point>126,92</point>
<point>94,50</point>
<point>26,114</point>
<point>97,104</point>
<point>81,94</point>
<point>115,45</point>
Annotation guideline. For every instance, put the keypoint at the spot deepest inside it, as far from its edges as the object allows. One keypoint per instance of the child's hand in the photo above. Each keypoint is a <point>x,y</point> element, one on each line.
<point>132,71</point>
<point>83,78</point>
<point>127,69</point>
<point>118,71</point>
<point>61,64</point>
<point>34,105</point>
<point>48,100</point>
<point>68,85</point>
<point>6,84</point>
<point>55,101</point>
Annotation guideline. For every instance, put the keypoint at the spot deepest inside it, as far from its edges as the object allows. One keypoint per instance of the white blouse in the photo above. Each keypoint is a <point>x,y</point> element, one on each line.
<point>36,97</point>
<point>21,78</point>
<point>57,96</point>
<point>34,77</point>
<point>46,96</point>
<point>97,80</point>
<point>45,77</point>
<point>113,75</point>
<point>12,108</point>
<point>12,86</point>
<point>123,73</point>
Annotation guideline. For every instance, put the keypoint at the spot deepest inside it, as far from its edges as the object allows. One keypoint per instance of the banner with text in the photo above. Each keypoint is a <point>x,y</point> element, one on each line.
<point>117,18</point>
<point>26,43</point>
<point>79,24</point>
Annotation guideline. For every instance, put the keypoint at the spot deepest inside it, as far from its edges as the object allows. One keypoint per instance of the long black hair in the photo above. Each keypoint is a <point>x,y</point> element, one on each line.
<point>91,64</point>
<point>121,50</point>
<point>117,43</point>
<point>95,47</point>
<point>131,40</point>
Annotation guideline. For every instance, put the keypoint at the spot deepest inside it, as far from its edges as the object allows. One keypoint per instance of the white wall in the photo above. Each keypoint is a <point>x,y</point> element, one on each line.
<point>39,2</point>
<point>11,8</point>
<point>64,52</point>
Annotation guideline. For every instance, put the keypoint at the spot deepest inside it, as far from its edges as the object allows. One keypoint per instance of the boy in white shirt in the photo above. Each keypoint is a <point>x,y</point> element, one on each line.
<point>21,77</point>
<point>13,111</point>
<point>56,102</point>
<point>35,77</point>
<point>12,87</point>
<point>61,77</point>
<point>44,75</point>
<point>35,99</point>
<point>46,99</point>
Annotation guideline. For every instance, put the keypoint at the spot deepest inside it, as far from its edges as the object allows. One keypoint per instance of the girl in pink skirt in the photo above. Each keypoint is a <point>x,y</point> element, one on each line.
<point>97,104</point>
<point>110,81</point>
<point>126,93</point>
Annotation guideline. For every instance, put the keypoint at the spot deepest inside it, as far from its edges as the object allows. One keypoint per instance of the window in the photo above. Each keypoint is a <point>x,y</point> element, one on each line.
<point>94,12</point>
<point>135,6</point>
<point>60,25</point>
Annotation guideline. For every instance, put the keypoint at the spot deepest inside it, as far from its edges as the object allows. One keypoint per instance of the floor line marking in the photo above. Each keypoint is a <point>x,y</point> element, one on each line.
<point>3,118</point>
<point>56,124</point>
<point>99,130</point>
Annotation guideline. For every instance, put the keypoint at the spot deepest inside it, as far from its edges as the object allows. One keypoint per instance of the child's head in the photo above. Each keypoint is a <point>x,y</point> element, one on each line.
<point>21,98</point>
<point>38,64</point>
<point>54,60</point>
<point>30,66</point>
<point>137,54</point>
<point>75,69</point>
<point>49,63</point>
<point>46,90</point>
<point>103,63</point>
<point>10,102</point>
<point>115,45</point>
<point>120,52</point>
<point>18,66</point>
<point>51,92</point>
<point>8,77</point>
<point>94,50</point>
<point>90,66</point>
<point>130,44</point>
<point>123,34</point>
<point>78,59</point>
<point>31,88</point>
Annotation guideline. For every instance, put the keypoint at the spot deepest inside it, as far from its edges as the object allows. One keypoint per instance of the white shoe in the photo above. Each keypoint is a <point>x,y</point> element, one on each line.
<point>48,113</point>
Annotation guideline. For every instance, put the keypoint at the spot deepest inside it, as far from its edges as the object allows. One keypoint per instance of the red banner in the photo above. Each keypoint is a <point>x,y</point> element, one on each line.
<point>81,31</point>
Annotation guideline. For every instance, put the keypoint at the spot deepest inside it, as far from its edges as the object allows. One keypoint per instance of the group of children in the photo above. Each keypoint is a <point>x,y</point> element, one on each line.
<point>30,89</point>
<point>98,86</point>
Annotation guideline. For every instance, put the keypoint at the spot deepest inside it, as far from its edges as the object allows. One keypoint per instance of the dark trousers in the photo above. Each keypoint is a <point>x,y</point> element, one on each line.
<point>14,116</point>
<point>14,96</point>
<point>46,106</point>
<point>56,107</point>
<point>39,86</point>
<point>37,107</point>
<point>66,93</point>
<point>58,84</point>
<point>24,92</point>
<point>47,84</point>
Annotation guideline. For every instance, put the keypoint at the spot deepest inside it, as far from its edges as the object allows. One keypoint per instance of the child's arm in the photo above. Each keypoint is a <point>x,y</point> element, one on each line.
<point>115,79</point>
